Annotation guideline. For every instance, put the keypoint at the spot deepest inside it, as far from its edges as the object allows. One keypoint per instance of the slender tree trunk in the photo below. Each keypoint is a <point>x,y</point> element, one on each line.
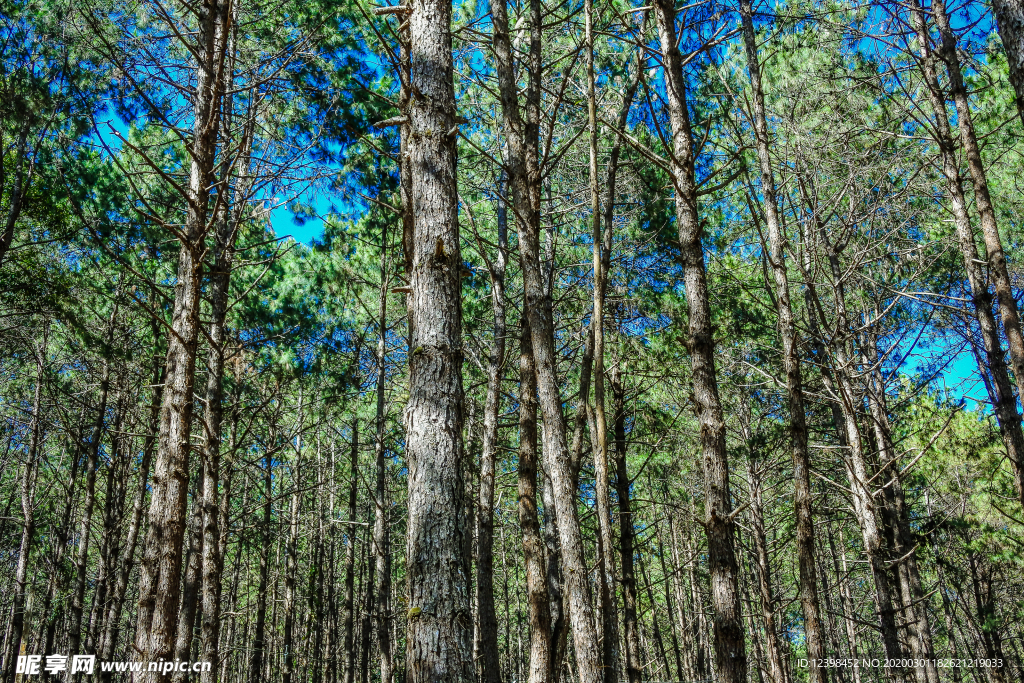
<point>30,472</point>
<point>366,625</point>
<point>259,642</point>
<point>115,490</point>
<point>381,529</point>
<point>19,188</point>
<point>981,582</point>
<point>439,623</point>
<point>626,533</point>
<point>111,630</point>
<point>541,645</point>
<point>487,619</point>
<point>213,531</point>
<point>691,640</point>
<point>608,621</point>
<point>350,554</point>
<point>524,181</point>
<point>802,499</point>
<point>719,525</point>
<point>291,553</point>
<point>1005,405</point>
<point>848,606</point>
<point>905,548</point>
<point>995,256</point>
<point>57,579</point>
<point>85,527</point>
<point>191,584</point>
<point>760,555</point>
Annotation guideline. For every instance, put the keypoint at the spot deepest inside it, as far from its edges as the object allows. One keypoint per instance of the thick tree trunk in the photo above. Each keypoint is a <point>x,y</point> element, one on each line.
<point>730,646</point>
<point>802,499</point>
<point>160,582</point>
<point>439,623</point>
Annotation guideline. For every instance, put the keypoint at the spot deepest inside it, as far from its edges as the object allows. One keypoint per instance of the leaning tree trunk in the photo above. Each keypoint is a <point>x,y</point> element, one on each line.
<point>1005,404</point>
<point>1010,21</point>
<point>160,581</point>
<point>439,623</point>
<point>995,256</point>
<point>719,525</point>
<point>808,589</point>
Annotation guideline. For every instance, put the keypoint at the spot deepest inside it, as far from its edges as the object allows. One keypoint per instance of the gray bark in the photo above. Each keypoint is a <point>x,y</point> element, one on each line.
<point>439,622</point>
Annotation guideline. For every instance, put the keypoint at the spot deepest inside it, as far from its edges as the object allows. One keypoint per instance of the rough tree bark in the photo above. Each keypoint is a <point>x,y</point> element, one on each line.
<point>802,499</point>
<point>439,623</point>
<point>160,581</point>
<point>524,181</point>
<point>1005,404</point>
<point>995,256</point>
<point>719,525</point>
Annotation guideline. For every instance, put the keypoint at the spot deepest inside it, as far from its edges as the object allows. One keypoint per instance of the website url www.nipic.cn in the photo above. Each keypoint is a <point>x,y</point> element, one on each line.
<point>33,665</point>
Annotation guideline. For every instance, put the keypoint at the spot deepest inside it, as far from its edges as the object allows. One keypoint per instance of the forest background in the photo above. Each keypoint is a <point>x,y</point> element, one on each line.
<point>668,342</point>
